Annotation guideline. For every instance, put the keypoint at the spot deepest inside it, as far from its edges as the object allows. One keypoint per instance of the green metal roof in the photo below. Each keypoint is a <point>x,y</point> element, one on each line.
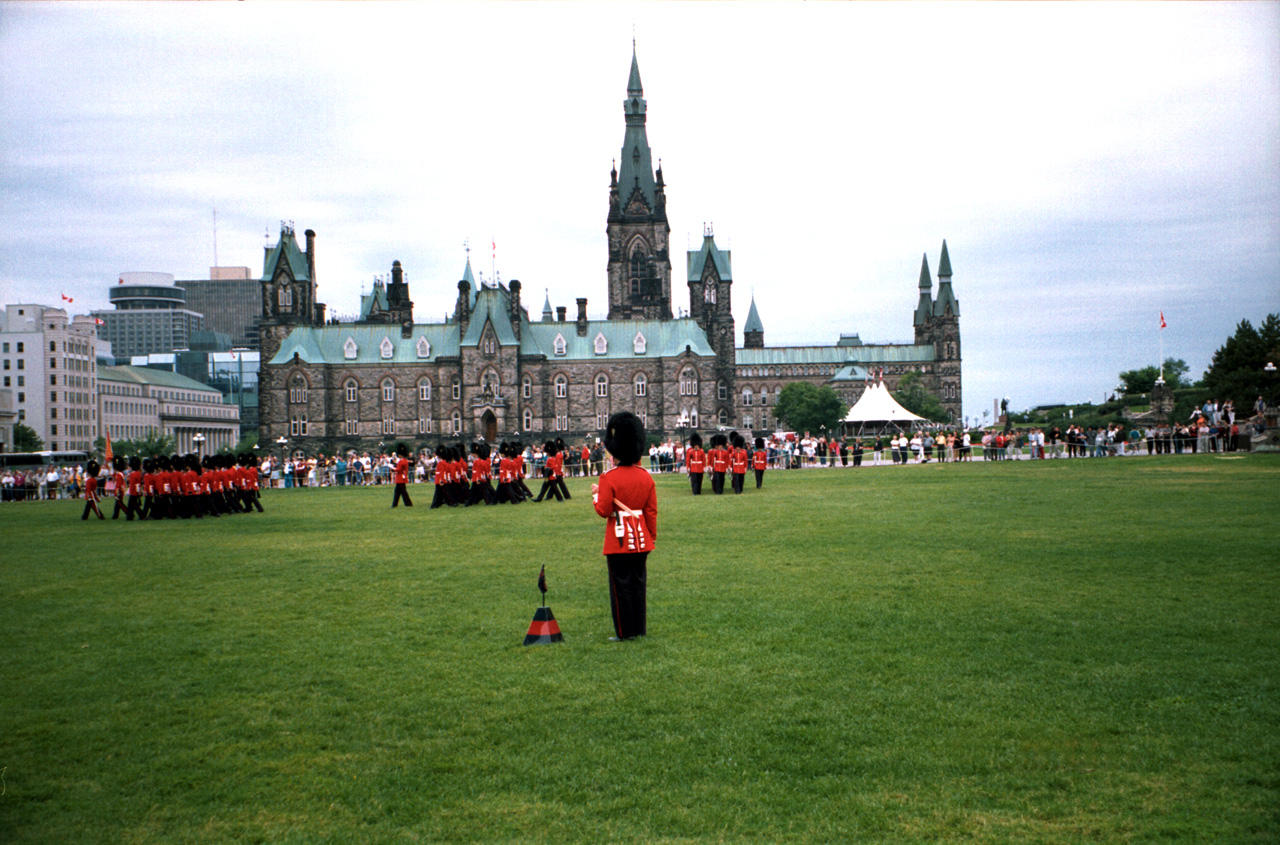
<point>327,344</point>
<point>663,338</point>
<point>369,300</point>
<point>946,298</point>
<point>924,308</point>
<point>944,263</point>
<point>850,372</point>
<point>753,323</point>
<point>154,378</point>
<point>491,306</point>
<point>296,260</point>
<point>804,355</point>
<point>721,258</point>
<point>634,88</point>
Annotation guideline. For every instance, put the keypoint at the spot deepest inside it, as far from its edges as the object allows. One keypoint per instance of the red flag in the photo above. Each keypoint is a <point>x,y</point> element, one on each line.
<point>67,298</point>
<point>1162,323</point>
<point>542,580</point>
<point>107,454</point>
<point>121,282</point>
<point>98,321</point>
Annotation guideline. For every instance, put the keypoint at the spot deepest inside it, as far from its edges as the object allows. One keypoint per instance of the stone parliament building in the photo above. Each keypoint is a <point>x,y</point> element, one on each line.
<point>491,371</point>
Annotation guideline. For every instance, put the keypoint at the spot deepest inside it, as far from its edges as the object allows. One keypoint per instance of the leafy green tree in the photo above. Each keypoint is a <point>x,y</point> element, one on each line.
<point>807,407</point>
<point>245,444</point>
<point>1143,380</point>
<point>912,395</point>
<point>25,439</point>
<point>1237,370</point>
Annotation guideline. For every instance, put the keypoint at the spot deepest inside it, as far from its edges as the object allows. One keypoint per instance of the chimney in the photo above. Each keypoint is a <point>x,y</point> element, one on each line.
<point>397,273</point>
<point>560,309</point>
<point>463,311</point>
<point>514,288</point>
<point>311,254</point>
<point>582,316</point>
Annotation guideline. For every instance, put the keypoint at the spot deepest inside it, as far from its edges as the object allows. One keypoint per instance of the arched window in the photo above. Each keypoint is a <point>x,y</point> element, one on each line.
<point>424,390</point>
<point>602,385</point>
<point>351,389</point>
<point>764,396</point>
<point>747,397</point>
<point>528,420</point>
<point>688,383</point>
<point>642,384</point>
<point>457,422</point>
<point>723,416</point>
<point>298,389</point>
<point>457,388</point>
<point>526,387</point>
<point>286,296</point>
<point>562,387</point>
<point>636,270</point>
<point>722,391</point>
<point>388,390</point>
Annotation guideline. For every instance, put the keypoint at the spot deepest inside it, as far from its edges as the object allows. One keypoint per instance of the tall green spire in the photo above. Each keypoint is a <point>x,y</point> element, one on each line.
<point>944,263</point>
<point>946,299</point>
<point>636,164</point>
<point>753,323</point>
<point>924,309</point>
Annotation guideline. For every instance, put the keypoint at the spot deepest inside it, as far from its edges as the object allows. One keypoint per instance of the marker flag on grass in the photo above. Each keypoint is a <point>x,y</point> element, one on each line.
<point>542,581</point>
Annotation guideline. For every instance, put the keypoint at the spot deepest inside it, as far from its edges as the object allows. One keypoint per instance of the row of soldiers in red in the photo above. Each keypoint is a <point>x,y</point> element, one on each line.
<point>177,486</point>
<point>459,485</point>
<point>728,454</point>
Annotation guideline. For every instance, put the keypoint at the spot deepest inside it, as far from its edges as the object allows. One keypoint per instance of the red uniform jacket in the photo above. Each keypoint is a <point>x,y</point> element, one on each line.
<point>719,459</point>
<point>760,460</point>
<point>633,487</point>
<point>91,489</point>
<point>696,460</point>
<point>402,471</point>
<point>479,471</point>
<point>739,461</point>
<point>135,482</point>
<point>118,478</point>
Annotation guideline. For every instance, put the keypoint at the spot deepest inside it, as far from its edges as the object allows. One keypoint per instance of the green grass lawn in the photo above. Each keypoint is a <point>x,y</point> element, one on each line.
<point>1058,651</point>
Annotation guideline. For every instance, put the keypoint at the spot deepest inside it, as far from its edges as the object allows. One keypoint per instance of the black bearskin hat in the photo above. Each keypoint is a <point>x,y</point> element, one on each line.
<point>759,442</point>
<point>402,450</point>
<point>549,448</point>
<point>624,438</point>
<point>135,463</point>
<point>695,439</point>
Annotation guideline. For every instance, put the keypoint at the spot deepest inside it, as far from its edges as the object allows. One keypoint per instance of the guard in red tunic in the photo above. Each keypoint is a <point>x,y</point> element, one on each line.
<point>117,486</point>
<point>401,477</point>
<point>517,455</point>
<point>559,479</point>
<point>718,457</point>
<point>549,484</point>
<point>695,461</point>
<point>738,463</point>
<point>91,471</point>
<point>627,498</point>
<point>131,508</point>
<point>760,461</point>
<point>480,471</point>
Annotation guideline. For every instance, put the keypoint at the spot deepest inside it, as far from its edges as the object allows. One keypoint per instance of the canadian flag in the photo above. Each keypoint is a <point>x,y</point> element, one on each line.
<point>98,321</point>
<point>66,298</point>
<point>1162,322</point>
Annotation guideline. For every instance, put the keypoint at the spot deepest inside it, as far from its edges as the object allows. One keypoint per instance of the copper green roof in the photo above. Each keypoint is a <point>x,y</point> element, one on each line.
<point>804,355</point>
<point>287,250</point>
<point>636,165</point>
<point>663,339</point>
<point>946,301</point>
<point>491,307</point>
<point>327,344</point>
<point>944,263</point>
<point>153,377</point>
<point>721,258</point>
<point>368,300</point>
<point>924,308</point>
<point>753,323</point>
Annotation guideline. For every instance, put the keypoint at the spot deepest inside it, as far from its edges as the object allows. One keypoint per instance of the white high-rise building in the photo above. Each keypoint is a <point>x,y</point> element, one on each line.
<point>49,363</point>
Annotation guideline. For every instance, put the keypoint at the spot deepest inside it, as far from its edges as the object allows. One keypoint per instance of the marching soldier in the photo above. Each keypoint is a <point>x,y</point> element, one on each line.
<point>695,461</point>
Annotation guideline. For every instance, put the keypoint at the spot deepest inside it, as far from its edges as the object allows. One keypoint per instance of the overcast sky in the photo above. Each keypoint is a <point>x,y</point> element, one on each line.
<point>1089,165</point>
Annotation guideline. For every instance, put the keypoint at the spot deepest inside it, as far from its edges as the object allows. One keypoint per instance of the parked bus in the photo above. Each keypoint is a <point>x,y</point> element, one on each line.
<point>35,460</point>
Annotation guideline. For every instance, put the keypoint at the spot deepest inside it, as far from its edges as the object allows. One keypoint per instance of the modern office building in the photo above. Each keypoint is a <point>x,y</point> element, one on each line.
<point>149,314</point>
<point>230,301</point>
<point>49,361</point>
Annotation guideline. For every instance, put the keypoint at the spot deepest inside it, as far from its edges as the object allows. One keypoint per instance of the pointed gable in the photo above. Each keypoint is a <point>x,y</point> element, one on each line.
<point>349,349</point>
<point>387,348</point>
<point>639,344</point>
<point>424,347</point>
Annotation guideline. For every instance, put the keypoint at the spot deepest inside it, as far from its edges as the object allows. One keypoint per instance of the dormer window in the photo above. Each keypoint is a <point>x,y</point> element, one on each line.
<point>387,348</point>
<point>640,343</point>
<point>424,348</point>
<point>602,345</point>
<point>560,344</point>
<point>349,349</point>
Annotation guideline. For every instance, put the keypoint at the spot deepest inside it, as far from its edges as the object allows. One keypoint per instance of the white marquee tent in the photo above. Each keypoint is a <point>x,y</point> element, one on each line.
<point>877,406</point>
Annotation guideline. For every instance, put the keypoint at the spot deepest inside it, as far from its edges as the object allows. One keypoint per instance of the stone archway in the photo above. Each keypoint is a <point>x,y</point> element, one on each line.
<point>489,427</point>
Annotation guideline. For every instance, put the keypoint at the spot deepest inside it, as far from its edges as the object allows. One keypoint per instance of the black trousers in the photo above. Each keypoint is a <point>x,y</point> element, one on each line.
<point>401,493</point>
<point>627,583</point>
<point>91,505</point>
<point>550,486</point>
<point>739,481</point>
<point>717,483</point>
<point>759,478</point>
<point>695,483</point>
